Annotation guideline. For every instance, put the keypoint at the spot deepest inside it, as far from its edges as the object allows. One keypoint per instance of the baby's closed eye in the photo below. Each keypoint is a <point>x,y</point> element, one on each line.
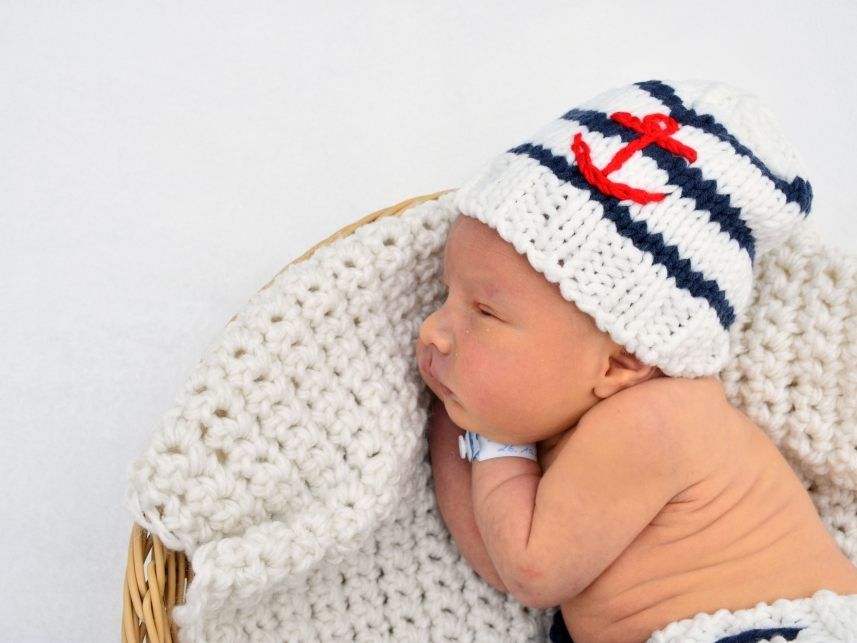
<point>486,311</point>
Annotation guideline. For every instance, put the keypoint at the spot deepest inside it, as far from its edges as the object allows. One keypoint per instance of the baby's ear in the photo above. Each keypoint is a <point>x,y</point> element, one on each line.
<point>623,370</point>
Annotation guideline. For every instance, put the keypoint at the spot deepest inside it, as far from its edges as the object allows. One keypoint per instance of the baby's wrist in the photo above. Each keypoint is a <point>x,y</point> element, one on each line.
<point>475,447</point>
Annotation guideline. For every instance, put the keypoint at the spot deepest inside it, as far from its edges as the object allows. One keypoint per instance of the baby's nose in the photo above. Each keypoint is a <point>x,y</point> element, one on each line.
<point>434,333</point>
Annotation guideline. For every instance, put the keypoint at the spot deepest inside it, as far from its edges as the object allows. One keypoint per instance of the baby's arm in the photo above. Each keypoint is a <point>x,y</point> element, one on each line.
<point>454,498</point>
<point>551,536</point>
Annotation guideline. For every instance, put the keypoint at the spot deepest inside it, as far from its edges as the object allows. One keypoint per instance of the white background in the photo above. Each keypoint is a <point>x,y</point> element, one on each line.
<point>160,161</point>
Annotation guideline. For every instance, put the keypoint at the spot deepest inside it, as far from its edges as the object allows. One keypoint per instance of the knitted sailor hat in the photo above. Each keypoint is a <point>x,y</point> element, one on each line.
<point>647,206</point>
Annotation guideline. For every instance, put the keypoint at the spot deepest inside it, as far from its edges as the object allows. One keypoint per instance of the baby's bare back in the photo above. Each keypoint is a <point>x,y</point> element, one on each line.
<point>745,531</point>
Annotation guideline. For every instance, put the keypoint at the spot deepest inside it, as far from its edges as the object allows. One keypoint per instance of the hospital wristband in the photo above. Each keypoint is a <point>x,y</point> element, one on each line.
<point>472,446</point>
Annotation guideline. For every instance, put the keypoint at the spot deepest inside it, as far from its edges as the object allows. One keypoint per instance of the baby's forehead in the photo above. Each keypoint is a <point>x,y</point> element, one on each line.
<point>484,264</point>
<point>478,250</point>
<point>479,239</point>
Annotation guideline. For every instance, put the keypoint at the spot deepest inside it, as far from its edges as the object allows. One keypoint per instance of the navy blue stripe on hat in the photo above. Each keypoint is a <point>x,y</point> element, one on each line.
<point>797,191</point>
<point>759,636</point>
<point>690,179</point>
<point>638,232</point>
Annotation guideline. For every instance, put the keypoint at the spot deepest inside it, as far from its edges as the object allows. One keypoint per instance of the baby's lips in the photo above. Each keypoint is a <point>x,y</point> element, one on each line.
<point>424,362</point>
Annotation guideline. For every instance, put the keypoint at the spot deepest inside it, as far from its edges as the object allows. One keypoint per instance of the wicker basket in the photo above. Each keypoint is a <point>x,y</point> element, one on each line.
<point>156,578</point>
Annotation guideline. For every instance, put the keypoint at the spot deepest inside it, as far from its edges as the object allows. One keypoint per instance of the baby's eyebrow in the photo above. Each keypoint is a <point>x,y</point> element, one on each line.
<point>492,289</point>
<point>488,288</point>
<point>496,295</point>
<point>485,286</point>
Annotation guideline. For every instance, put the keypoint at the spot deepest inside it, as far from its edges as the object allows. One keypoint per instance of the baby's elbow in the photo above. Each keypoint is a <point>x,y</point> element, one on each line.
<point>541,589</point>
<point>529,588</point>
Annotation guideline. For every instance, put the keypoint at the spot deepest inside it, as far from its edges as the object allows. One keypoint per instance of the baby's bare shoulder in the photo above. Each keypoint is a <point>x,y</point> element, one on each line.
<point>669,401</point>
<point>685,414</point>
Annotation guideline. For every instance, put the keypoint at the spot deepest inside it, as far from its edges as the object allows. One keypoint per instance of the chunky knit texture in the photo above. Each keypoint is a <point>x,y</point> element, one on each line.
<point>824,617</point>
<point>647,206</point>
<point>292,468</point>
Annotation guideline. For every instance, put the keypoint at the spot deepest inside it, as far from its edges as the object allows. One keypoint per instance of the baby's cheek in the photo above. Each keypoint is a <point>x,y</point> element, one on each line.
<point>491,381</point>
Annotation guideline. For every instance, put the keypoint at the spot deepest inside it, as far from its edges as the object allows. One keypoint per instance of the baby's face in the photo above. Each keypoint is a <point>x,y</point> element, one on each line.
<point>508,356</point>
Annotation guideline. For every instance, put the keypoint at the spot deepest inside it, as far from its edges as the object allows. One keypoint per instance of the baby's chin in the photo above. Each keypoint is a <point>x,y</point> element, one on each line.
<point>466,421</point>
<point>456,412</point>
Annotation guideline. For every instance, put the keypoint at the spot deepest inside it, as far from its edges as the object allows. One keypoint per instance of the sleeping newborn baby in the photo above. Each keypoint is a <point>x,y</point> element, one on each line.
<point>583,450</point>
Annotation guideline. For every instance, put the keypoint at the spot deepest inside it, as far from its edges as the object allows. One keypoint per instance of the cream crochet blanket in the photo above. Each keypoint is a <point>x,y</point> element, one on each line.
<point>293,467</point>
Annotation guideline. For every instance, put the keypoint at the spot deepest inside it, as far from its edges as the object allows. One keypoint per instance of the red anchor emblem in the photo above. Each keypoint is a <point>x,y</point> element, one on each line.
<point>654,129</point>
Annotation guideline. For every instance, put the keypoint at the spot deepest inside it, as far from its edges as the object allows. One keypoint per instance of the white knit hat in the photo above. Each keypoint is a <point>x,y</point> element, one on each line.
<point>647,206</point>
